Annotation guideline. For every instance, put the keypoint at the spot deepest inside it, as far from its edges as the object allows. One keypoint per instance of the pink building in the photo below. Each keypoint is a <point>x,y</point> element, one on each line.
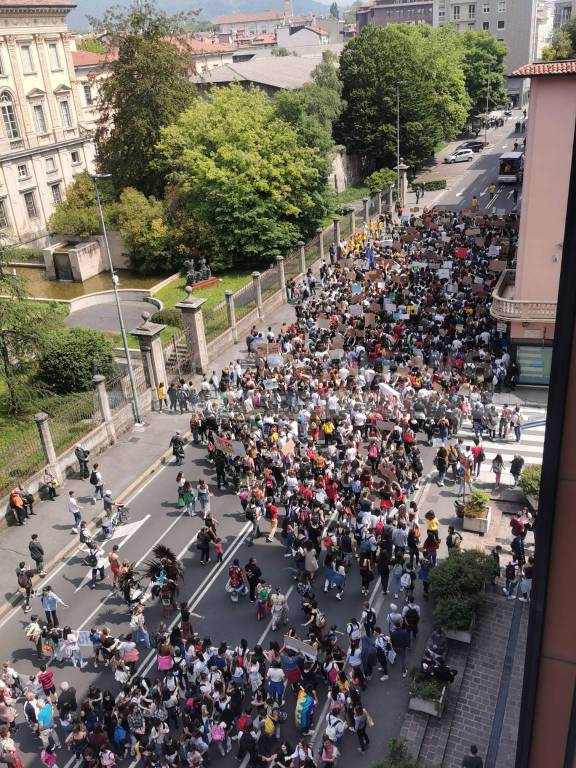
<point>526,297</point>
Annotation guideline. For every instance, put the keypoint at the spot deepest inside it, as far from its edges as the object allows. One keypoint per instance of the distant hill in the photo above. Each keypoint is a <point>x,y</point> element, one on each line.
<point>210,9</point>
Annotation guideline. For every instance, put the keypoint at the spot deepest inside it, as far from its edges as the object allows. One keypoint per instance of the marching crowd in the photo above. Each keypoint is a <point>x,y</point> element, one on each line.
<point>393,343</point>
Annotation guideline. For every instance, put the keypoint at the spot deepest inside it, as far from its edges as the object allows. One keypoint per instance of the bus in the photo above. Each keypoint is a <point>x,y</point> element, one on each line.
<point>511,168</point>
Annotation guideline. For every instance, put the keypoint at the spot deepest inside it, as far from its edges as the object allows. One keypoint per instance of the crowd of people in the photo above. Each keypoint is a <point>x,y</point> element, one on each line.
<point>318,434</point>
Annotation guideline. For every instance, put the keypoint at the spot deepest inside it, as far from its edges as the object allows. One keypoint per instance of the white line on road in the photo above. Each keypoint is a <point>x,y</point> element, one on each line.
<point>264,634</point>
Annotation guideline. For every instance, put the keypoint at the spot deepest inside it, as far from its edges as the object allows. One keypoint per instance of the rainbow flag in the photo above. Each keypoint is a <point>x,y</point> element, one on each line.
<point>304,710</point>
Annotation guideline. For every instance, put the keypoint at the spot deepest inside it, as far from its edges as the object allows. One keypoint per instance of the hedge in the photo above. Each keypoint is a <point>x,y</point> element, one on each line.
<point>168,316</point>
<point>432,185</point>
<point>529,480</point>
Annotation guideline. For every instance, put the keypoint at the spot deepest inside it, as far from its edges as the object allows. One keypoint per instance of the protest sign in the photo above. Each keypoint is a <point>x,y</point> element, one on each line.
<point>300,646</point>
<point>288,448</point>
<point>356,310</point>
<point>229,447</point>
<point>270,384</point>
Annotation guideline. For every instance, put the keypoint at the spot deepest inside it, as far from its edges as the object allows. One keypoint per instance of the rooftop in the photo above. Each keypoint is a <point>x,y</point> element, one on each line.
<point>276,72</point>
<point>36,4</point>
<point>242,18</point>
<point>87,59</point>
<point>543,68</point>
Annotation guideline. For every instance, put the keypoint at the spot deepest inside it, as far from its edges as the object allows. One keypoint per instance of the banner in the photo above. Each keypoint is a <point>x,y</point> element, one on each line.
<point>230,448</point>
<point>300,646</point>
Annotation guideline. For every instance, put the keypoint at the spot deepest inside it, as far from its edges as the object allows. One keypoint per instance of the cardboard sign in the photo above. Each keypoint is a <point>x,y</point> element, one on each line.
<point>336,354</point>
<point>274,361</point>
<point>472,231</point>
<point>480,242</point>
<point>323,324</point>
<point>356,310</point>
<point>479,289</point>
<point>447,264</point>
<point>356,289</point>
<point>373,276</point>
<point>288,448</point>
<point>300,646</point>
<point>369,318</point>
<point>497,265</point>
<point>461,253</point>
<point>270,384</point>
<point>229,447</point>
<point>443,274</point>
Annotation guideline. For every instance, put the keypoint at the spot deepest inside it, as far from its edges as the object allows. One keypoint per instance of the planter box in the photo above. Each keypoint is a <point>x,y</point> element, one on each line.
<point>461,635</point>
<point>432,707</point>
<point>532,501</point>
<point>477,524</point>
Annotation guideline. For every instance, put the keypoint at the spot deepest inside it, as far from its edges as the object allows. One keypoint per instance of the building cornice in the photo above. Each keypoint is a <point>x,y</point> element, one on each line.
<point>45,150</point>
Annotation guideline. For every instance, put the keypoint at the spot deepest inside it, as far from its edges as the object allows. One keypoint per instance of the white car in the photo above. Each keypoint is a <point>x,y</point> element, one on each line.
<point>460,156</point>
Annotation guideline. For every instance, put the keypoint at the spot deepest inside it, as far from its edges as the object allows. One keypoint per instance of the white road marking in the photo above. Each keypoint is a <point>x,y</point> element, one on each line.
<point>264,634</point>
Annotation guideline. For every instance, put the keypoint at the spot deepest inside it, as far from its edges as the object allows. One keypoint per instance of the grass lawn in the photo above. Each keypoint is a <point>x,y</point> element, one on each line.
<point>352,194</point>
<point>231,281</point>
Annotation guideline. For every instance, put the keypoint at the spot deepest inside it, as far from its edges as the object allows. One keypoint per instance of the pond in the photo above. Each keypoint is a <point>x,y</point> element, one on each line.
<point>38,286</point>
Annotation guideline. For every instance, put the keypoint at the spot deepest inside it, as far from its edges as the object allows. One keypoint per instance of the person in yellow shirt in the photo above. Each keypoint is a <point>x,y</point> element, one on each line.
<point>474,203</point>
<point>431,524</point>
<point>162,396</point>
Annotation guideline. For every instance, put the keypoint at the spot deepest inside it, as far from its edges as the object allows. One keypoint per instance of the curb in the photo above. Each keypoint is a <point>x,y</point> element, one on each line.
<point>17,597</point>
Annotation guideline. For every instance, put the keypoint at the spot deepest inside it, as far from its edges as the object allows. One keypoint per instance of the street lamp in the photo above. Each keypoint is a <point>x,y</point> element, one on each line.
<point>136,404</point>
<point>487,104</point>
<point>398,84</point>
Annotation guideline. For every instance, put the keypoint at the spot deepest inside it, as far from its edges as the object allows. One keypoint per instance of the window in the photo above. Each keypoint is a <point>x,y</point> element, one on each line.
<point>50,165</point>
<point>4,223</point>
<point>56,193</point>
<point>54,56</point>
<point>472,11</point>
<point>66,114</point>
<point>30,203</point>
<point>27,59</point>
<point>500,24</point>
<point>88,98</point>
<point>501,6</point>
<point>39,119</point>
<point>9,116</point>
<point>456,12</point>
<point>485,25</point>
<point>23,171</point>
<point>75,157</point>
<point>486,8</point>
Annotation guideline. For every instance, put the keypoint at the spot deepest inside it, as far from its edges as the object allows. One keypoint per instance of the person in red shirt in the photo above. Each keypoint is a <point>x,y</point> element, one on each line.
<point>272,515</point>
<point>46,680</point>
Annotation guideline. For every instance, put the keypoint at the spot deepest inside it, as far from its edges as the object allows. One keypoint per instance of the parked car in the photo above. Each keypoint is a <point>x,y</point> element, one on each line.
<point>460,156</point>
<point>475,146</point>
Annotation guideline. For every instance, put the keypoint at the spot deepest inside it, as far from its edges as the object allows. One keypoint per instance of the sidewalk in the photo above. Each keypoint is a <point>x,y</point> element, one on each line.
<point>137,454</point>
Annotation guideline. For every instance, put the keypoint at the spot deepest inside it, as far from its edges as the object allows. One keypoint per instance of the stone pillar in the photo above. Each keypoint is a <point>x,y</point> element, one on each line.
<point>390,198</point>
<point>281,276</point>
<point>148,335</point>
<point>231,312</point>
<point>336,221</point>
<point>302,256</point>
<point>366,209</point>
<point>352,214</point>
<point>41,420</point>
<point>320,233</point>
<point>256,279</point>
<point>99,382</point>
<point>193,323</point>
<point>380,193</point>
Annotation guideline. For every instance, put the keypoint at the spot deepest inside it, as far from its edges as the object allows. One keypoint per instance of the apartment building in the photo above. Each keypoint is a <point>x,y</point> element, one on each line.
<point>564,10</point>
<point>383,12</point>
<point>44,141</point>
<point>512,21</point>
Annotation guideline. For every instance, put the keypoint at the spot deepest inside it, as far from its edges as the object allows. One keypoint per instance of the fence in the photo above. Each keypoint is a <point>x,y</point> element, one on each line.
<point>292,265</point>
<point>215,320</point>
<point>119,389</point>
<point>245,300</point>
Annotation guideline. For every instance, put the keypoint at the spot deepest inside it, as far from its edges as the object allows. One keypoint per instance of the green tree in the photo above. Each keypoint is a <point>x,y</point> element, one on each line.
<point>78,213</point>
<point>379,179</point>
<point>90,45</point>
<point>434,102</point>
<point>245,173</point>
<point>280,51</point>
<point>350,13</point>
<point>561,46</point>
<point>483,63</point>
<point>147,89</point>
<point>71,357</point>
<point>144,229</point>
<point>334,12</point>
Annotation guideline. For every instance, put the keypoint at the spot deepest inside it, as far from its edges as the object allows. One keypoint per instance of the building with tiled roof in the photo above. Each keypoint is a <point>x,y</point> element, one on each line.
<point>544,68</point>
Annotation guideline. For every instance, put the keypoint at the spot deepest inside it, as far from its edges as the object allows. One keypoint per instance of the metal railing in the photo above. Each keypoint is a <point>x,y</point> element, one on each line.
<point>215,320</point>
<point>507,308</point>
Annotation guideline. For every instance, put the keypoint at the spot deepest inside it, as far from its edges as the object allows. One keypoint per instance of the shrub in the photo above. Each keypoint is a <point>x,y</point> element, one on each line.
<point>168,317</point>
<point>477,504</point>
<point>379,180</point>
<point>424,686</point>
<point>456,612</point>
<point>71,357</point>
<point>529,480</point>
<point>13,253</point>
<point>456,586</point>
<point>432,184</point>
<point>399,756</point>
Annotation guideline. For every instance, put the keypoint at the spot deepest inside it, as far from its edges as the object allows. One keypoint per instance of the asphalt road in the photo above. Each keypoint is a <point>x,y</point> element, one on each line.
<point>154,517</point>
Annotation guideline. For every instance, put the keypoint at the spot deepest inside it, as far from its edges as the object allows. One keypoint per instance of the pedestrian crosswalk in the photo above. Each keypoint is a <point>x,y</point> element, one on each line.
<point>530,447</point>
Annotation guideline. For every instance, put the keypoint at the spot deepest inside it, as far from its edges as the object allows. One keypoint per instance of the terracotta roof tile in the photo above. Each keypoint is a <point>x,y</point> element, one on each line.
<point>36,4</point>
<point>539,69</point>
<point>242,18</point>
<point>88,59</point>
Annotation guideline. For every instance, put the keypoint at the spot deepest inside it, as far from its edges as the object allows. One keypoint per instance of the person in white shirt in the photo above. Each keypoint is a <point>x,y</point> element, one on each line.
<point>74,509</point>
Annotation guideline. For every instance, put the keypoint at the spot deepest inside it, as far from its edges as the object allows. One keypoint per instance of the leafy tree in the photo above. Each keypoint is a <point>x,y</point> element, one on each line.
<point>147,89</point>
<point>71,357</point>
<point>78,213</point>
<point>483,63</point>
<point>142,224</point>
<point>90,45</point>
<point>334,12</point>
<point>561,46</point>
<point>350,14</point>
<point>280,51</point>
<point>240,170</point>
<point>434,102</point>
<point>379,179</point>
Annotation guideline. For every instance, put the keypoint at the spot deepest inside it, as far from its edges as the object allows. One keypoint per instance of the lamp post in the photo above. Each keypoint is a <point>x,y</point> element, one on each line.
<point>136,404</point>
<point>487,104</point>
<point>398,84</point>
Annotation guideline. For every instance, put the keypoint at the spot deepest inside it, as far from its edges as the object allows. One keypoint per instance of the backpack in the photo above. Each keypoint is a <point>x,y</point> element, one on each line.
<point>92,560</point>
<point>217,732</point>
<point>370,618</point>
<point>510,571</point>
<point>23,579</point>
<point>120,735</point>
<point>365,547</point>
<point>93,477</point>
<point>406,581</point>
<point>411,618</point>
<point>320,619</point>
<point>353,630</point>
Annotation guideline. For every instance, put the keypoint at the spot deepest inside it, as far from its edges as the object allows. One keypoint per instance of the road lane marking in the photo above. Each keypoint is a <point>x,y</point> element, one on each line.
<point>264,634</point>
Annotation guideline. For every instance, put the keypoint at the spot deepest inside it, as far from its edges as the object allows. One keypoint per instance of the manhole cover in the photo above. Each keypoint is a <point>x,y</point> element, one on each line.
<point>134,439</point>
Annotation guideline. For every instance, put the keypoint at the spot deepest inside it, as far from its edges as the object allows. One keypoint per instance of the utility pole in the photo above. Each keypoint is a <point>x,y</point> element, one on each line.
<point>398,84</point>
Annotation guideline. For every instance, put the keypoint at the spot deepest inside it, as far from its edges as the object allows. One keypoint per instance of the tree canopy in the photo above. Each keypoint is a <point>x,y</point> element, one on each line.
<point>147,89</point>
<point>78,213</point>
<point>563,43</point>
<point>483,62</point>
<point>245,173</point>
<point>434,104</point>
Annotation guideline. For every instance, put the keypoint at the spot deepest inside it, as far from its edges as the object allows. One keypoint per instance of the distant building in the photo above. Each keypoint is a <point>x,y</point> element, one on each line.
<point>514,22</point>
<point>383,12</point>
<point>207,54</point>
<point>301,35</point>
<point>564,10</point>
<point>46,119</point>
<point>263,22</point>
<point>271,73</point>
<point>89,69</point>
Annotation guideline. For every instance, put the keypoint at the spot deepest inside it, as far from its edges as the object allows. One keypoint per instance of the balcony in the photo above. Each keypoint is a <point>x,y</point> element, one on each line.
<point>506,307</point>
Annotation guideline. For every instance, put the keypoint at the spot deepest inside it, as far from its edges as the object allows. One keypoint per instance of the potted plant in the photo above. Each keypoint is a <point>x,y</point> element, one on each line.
<point>529,482</point>
<point>427,694</point>
<point>399,756</point>
<point>456,589</point>
<point>477,513</point>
